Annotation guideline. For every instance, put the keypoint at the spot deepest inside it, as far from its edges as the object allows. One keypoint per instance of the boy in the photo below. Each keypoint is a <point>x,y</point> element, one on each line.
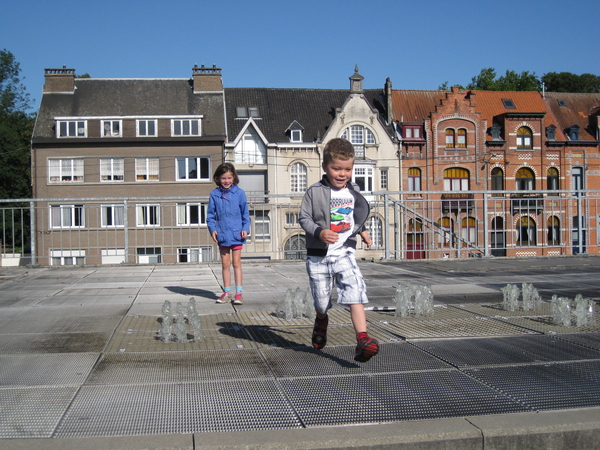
<point>333,212</point>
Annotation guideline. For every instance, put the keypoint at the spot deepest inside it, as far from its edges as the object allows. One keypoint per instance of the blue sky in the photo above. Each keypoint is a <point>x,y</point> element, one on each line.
<point>304,43</point>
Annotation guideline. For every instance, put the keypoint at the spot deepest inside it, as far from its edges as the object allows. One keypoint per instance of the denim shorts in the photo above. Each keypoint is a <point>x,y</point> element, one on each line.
<point>341,271</point>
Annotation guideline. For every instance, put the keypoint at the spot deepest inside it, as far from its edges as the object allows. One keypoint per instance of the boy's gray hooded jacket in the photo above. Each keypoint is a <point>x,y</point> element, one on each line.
<point>315,215</point>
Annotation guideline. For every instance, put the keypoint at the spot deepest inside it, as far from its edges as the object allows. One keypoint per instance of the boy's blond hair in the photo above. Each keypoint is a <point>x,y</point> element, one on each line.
<point>338,148</point>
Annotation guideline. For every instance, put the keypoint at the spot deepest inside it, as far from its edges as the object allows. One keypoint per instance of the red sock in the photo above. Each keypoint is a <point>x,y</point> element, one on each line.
<point>361,335</point>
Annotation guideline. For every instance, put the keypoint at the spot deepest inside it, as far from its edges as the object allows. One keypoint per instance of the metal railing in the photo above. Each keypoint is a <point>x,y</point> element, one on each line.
<point>403,225</point>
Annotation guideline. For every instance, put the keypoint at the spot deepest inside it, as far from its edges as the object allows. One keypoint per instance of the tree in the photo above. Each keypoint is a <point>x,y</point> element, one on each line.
<point>511,81</point>
<point>16,128</point>
<point>569,82</point>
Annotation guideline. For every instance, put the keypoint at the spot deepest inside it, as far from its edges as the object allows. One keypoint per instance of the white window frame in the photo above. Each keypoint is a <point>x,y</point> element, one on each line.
<point>184,214</point>
<point>112,169</point>
<point>147,169</point>
<point>65,170</point>
<point>364,171</point>
<point>67,257</point>
<point>111,128</point>
<point>67,216</point>
<point>375,226</point>
<point>261,223</point>
<point>71,128</point>
<point>291,218</point>
<point>145,213</point>
<point>183,166</point>
<point>194,254</point>
<point>113,216</point>
<point>146,122</point>
<point>186,127</point>
<point>359,135</point>
<point>295,135</point>
<point>149,255</point>
<point>383,179</point>
<point>298,177</point>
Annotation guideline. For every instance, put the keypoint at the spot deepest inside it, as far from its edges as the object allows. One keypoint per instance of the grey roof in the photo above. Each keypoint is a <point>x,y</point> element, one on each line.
<point>131,97</point>
<point>313,109</point>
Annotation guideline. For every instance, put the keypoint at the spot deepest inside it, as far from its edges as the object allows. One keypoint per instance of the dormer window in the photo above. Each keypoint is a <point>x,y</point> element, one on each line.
<point>71,128</point>
<point>573,132</point>
<point>185,127</point>
<point>146,128</point>
<point>496,131</point>
<point>111,128</point>
<point>246,111</point>
<point>412,131</point>
<point>296,136</point>
<point>551,132</point>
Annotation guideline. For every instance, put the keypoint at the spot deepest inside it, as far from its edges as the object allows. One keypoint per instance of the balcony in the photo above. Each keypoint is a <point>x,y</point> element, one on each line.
<point>457,202</point>
<point>526,203</point>
<point>257,197</point>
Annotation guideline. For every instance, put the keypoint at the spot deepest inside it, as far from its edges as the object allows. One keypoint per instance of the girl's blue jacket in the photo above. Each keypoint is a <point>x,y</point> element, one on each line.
<point>228,215</point>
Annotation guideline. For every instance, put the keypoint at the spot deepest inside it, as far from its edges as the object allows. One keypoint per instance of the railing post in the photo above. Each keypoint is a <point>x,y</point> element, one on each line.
<point>126,231</point>
<point>386,232</point>
<point>32,233</point>
<point>486,240</point>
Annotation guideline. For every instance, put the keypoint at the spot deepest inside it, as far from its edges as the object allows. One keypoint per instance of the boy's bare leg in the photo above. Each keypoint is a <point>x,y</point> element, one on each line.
<point>359,318</point>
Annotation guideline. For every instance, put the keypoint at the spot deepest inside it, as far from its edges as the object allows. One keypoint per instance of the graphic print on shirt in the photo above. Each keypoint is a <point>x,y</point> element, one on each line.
<point>341,209</point>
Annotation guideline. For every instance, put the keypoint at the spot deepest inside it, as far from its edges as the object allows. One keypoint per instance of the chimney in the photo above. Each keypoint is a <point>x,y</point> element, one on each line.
<point>59,80</point>
<point>207,79</point>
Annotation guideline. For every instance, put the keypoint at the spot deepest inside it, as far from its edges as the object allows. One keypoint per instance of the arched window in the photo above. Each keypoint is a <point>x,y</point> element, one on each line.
<point>468,230</point>
<point>553,230</point>
<point>445,232</point>
<point>456,179</point>
<point>414,179</point>
<point>461,138</point>
<point>298,177</point>
<point>524,138</point>
<point>295,247</point>
<point>525,179</point>
<point>375,230</point>
<point>359,135</point>
<point>497,179</point>
<point>450,138</point>
<point>526,232</point>
<point>552,180</point>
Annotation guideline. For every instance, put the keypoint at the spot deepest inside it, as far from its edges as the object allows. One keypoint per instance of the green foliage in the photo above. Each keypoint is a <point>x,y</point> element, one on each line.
<point>511,81</point>
<point>16,128</point>
<point>569,82</point>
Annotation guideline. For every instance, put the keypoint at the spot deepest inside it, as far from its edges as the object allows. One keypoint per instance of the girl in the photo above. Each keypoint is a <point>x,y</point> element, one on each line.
<point>228,222</point>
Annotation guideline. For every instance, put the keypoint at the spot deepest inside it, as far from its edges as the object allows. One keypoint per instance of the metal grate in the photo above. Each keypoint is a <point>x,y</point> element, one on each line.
<point>53,343</point>
<point>175,367</point>
<point>393,397</point>
<point>505,350</point>
<point>32,412</point>
<point>543,387</point>
<point>46,369</point>
<point>170,408</point>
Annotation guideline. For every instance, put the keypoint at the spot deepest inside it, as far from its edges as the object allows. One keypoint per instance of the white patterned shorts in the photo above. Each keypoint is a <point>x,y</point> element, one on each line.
<point>342,271</point>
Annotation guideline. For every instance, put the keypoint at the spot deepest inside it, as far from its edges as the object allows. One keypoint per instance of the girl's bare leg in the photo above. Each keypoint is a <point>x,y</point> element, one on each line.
<point>226,266</point>
<point>237,266</point>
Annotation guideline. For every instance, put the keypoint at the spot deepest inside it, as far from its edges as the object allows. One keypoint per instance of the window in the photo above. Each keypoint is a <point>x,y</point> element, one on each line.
<point>497,180</point>
<point>461,138</point>
<point>298,177</point>
<point>413,132</point>
<point>359,135</point>
<point>193,169</point>
<point>260,221</point>
<point>65,170</point>
<point>456,179</point>
<point>375,230</point>
<point>197,254</point>
<point>445,233</point>
<point>468,231</point>
<point>243,111</point>
<point>414,179</point>
<point>66,216</point>
<point>552,181</point>
<point>191,213</point>
<point>450,138</point>
<point>524,138</point>
<point>251,149</point>
<point>147,215</point>
<point>291,219</point>
<point>553,230</point>
<point>526,233</point>
<point>112,169</point>
<point>149,255</point>
<point>498,237</point>
<point>113,216</point>
<point>363,176</point>
<point>110,128</point>
<point>525,179</point>
<point>71,128</point>
<point>146,128</point>
<point>383,174</point>
<point>296,136</point>
<point>508,103</point>
<point>578,181</point>
<point>185,127</point>
<point>146,169</point>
